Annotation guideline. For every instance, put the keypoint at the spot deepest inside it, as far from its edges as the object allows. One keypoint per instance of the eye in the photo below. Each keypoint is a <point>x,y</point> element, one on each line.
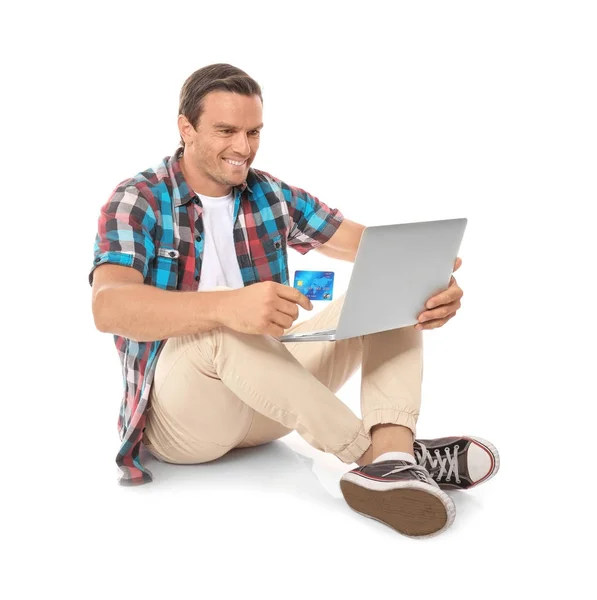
<point>254,133</point>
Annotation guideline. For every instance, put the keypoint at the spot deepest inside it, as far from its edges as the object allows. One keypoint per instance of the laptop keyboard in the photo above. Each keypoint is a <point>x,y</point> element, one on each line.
<point>324,332</point>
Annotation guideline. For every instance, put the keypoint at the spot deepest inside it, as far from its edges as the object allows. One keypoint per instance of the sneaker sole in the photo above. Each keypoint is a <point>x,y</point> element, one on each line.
<point>413,509</point>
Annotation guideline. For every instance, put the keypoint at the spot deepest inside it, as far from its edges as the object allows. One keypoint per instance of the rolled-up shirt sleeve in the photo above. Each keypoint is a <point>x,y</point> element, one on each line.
<point>125,232</point>
<point>312,223</point>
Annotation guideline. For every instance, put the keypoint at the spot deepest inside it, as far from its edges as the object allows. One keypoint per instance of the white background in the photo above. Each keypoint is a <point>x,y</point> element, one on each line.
<point>391,112</point>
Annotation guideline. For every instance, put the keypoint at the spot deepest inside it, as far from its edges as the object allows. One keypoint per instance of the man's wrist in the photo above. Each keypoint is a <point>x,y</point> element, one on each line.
<point>218,308</point>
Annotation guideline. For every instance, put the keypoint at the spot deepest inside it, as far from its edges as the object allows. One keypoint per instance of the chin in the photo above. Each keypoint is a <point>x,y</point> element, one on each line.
<point>236,181</point>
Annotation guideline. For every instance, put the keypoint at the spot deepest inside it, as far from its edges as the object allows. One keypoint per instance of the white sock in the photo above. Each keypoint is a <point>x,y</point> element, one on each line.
<point>396,456</point>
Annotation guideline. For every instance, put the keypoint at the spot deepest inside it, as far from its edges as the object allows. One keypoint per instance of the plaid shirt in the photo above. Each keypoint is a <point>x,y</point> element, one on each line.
<point>153,223</point>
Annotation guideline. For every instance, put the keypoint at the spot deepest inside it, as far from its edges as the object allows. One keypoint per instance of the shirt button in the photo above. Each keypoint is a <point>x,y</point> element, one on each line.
<point>196,277</point>
<point>198,238</point>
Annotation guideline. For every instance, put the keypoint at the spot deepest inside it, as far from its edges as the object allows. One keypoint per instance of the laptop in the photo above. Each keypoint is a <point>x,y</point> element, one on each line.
<point>396,270</point>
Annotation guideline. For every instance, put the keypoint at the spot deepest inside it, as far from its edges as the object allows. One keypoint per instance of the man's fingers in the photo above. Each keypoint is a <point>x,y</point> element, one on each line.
<point>282,320</point>
<point>275,331</point>
<point>452,294</point>
<point>288,308</point>
<point>457,263</point>
<point>289,293</point>
<point>434,324</point>
<point>439,313</point>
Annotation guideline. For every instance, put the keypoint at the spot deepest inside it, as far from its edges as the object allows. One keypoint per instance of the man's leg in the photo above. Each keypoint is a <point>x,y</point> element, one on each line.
<point>388,485</point>
<point>208,388</point>
<point>331,363</point>
<point>392,374</point>
<point>392,370</point>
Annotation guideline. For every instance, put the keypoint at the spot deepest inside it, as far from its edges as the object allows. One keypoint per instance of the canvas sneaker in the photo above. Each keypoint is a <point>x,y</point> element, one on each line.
<point>457,463</point>
<point>400,494</point>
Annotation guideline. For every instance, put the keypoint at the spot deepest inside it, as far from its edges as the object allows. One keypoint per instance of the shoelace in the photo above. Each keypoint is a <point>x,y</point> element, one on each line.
<point>418,471</point>
<point>448,464</point>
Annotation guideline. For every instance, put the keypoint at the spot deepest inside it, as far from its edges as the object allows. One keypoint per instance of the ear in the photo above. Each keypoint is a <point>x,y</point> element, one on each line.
<point>185,129</point>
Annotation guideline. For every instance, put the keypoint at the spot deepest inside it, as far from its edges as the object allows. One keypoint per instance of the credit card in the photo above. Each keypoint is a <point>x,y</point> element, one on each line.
<point>316,285</point>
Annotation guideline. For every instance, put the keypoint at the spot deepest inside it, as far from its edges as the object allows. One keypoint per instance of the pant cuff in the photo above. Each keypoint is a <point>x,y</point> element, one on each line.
<point>393,416</point>
<point>356,448</point>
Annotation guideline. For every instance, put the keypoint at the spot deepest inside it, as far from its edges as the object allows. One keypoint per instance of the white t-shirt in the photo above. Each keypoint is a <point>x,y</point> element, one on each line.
<point>220,265</point>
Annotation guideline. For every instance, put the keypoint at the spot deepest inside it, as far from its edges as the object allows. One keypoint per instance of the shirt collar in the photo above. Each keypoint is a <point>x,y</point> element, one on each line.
<point>181,191</point>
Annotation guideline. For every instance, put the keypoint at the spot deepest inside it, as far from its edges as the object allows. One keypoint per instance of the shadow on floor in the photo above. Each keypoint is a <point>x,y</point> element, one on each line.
<point>275,468</point>
<point>272,467</point>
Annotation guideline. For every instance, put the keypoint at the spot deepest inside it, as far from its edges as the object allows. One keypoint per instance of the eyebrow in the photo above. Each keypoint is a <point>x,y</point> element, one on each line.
<point>222,125</point>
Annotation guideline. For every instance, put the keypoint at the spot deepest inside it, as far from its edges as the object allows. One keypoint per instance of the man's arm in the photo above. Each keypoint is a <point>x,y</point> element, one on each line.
<point>343,245</point>
<point>123,305</point>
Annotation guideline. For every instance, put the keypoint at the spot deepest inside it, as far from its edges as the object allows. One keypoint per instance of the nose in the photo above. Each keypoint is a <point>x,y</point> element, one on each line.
<point>241,144</point>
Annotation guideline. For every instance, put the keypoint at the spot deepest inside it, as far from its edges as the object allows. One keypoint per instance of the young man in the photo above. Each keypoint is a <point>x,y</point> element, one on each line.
<point>204,373</point>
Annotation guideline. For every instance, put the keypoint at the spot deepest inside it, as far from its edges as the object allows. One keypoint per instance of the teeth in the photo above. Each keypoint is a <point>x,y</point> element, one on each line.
<point>235,162</point>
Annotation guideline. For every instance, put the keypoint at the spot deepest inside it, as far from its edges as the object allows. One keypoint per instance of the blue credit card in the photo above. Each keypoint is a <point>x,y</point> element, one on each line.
<point>316,285</point>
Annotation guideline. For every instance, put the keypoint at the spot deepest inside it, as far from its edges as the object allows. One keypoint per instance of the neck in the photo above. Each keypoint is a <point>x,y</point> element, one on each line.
<point>200,183</point>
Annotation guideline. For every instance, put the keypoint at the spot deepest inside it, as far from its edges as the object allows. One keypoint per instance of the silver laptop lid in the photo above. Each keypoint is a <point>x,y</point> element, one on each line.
<point>397,269</point>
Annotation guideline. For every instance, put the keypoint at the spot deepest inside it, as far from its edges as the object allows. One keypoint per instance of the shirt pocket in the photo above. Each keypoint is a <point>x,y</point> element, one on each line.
<point>269,262</point>
<point>165,268</point>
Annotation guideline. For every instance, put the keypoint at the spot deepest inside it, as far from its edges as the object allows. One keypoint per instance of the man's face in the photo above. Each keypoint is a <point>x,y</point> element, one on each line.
<point>226,140</point>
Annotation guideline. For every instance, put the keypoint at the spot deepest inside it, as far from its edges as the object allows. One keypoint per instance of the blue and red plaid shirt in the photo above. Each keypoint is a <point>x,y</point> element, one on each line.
<point>153,222</point>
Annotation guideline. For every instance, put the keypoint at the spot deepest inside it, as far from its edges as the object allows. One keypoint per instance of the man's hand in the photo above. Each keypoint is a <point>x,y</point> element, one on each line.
<point>444,305</point>
<point>266,308</point>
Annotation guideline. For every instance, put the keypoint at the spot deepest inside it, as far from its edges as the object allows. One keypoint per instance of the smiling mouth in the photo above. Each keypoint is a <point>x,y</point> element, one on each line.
<point>236,163</point>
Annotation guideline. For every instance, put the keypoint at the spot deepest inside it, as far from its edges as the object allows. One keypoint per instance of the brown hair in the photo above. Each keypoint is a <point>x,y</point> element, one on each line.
<point>219,76</point>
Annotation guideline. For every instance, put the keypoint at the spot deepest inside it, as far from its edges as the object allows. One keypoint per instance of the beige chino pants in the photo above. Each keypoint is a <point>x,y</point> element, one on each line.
<point>221,389</point>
